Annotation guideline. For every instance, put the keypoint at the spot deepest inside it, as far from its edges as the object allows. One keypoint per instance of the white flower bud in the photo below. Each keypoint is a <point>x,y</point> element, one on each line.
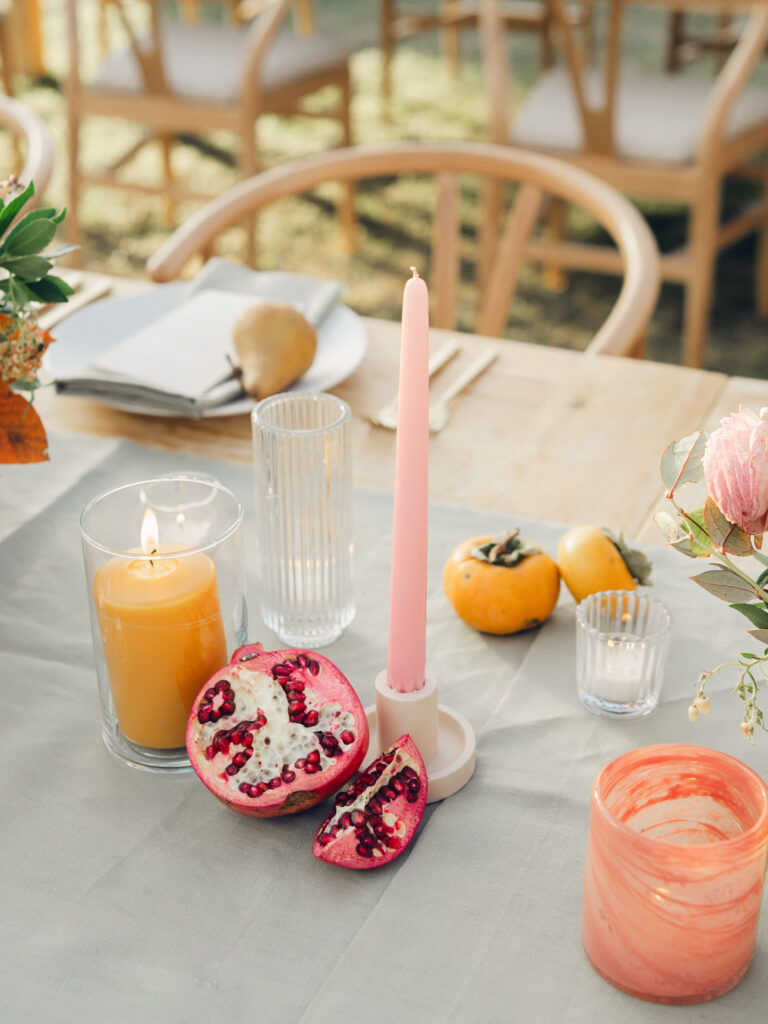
<point>693,713</point>
<point>702,705</point>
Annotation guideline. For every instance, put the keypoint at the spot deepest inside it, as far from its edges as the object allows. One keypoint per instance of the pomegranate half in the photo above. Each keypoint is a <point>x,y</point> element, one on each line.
<point>377,815</point>
<point>275,732</point>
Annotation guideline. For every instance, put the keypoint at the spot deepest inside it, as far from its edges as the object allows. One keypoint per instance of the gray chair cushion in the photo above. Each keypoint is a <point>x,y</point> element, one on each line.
<point>204,62</point>
<point>658,118</point>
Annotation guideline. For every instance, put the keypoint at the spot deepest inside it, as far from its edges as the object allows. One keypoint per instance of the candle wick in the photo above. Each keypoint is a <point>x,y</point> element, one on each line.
<point>414,271</point>
<point>152,552</point>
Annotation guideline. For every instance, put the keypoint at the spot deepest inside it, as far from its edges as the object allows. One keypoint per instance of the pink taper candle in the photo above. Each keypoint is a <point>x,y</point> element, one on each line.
<point>408,593</point>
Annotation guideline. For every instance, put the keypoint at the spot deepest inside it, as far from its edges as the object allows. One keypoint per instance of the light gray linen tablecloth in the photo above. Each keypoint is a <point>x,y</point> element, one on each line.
<point>135,897</point>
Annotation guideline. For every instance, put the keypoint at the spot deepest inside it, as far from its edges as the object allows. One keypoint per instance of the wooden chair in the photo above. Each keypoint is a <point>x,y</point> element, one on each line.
<point>536,177</point>
<point>196,77</point>
<point>451,17</point>
<point>31,134</point>
<point>667,136</point>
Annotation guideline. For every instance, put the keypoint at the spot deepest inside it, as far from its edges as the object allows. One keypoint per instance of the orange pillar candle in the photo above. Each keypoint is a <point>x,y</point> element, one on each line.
<point>162,633</point>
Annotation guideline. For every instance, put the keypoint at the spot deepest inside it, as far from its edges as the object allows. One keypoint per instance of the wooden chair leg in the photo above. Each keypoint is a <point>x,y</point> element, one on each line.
<point>388,13</point>
<point>555,278</point>
<point>347,210</point>
<point>450,36</point>
<point>761,260</point>
<point>675,40</point>
<point>248,166</point>
<point>166,146</point>
<point>491,225</point>
<point>702,244</point>
<point>72,222</point>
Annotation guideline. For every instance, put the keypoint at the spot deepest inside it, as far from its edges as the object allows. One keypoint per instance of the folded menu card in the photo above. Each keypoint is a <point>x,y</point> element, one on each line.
<point>184,361</point>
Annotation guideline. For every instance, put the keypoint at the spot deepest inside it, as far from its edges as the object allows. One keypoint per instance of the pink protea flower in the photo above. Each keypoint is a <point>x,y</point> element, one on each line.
<point>736,468</point>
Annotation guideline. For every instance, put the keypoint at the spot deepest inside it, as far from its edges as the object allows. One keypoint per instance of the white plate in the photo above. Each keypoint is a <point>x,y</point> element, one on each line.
<point>341,342</point>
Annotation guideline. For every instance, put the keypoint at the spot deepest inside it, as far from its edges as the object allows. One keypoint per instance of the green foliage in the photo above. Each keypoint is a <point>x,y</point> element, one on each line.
<point>21,253</point>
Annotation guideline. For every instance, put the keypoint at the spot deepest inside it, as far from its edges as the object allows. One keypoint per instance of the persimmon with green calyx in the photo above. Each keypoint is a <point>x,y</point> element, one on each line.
<point>591,559</point>
<point>501,584</point>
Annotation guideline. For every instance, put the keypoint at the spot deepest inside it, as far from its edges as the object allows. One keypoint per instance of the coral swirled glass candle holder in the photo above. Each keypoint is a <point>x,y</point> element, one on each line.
<point>674,874</point>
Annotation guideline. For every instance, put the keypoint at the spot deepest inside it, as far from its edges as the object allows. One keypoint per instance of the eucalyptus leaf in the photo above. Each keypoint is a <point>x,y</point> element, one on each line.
<point>50,289</point>
<point>59,251</point>
<point>31,268</point>
<point>749,655</point>
<point>700,540</point>
<point>8,212</point>
<point>762,579</point>
<point>762,559</point>
<point>726,585</point>
<point>759,634</point>
<point>29,237</point>
<point>681,460</point>
<point>756,613</point>
<point>685,547</point>
<point>724,534</point>
<point>670,527</point>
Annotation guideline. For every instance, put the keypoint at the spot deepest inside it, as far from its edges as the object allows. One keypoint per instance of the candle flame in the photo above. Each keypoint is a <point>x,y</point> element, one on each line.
<point>150,532</point>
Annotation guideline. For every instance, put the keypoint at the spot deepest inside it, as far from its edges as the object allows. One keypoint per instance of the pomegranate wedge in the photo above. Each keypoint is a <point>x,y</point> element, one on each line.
<point>377,815</point>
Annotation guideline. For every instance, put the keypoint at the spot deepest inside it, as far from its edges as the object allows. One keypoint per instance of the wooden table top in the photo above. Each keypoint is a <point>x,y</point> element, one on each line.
<point>545,432</point>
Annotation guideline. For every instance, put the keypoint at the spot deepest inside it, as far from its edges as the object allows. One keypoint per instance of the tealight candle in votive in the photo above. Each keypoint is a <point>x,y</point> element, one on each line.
<point>622,640</point>
<point>164,614</point>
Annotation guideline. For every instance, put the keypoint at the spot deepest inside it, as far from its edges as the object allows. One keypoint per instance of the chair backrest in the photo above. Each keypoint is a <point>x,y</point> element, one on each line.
<point>536,176</point>
<point>596,106</point>
<point>37,141</point>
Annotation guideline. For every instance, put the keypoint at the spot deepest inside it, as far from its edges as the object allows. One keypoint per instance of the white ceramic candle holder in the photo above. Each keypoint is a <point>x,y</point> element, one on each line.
<point>445,739</point>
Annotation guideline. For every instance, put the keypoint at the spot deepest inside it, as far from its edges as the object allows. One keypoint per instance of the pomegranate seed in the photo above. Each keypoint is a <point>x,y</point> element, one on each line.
<point>222,685</point>
<point>231,769</point>
<point>345,820</point>
<point>281,671</point>
<point>222,745</point>
<point>210,752</point>
<point>209,694</point>
<point>203,713</point>
<point>357,817</point>
<point>287,775</point>
<point>397,784</point>
<point>248,751</point>
<point>297,707</point>
<point>239,760</point>
<point>313,757</point>
<point>364,851</point>
<point>347,737</point>
<point>325,838</point>
<point>314,667</point>
<point>215,715</point>
<point>374,806</point>
<point>247,739</point>
<point>236,737</point>
<point>311,718</point>
<point>310,768</point>
<point>300,763</point>
<point>275,783</point>
<point>302,660</point>
<point>409,773</point>
<point>245,787</point>
<point>412,796</point>
<point>227,707</point>
<point>298,684</point>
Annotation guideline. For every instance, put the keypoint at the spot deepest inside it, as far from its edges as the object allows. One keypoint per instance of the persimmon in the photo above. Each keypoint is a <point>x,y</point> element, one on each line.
<point>591,559</point>
<point>501,584</point>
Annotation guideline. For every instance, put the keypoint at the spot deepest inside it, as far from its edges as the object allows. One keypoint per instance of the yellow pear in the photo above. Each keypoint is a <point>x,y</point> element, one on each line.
<point>275,344</point>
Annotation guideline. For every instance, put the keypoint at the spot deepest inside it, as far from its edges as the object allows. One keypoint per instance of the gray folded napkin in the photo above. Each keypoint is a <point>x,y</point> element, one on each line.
<point>184,362</point>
